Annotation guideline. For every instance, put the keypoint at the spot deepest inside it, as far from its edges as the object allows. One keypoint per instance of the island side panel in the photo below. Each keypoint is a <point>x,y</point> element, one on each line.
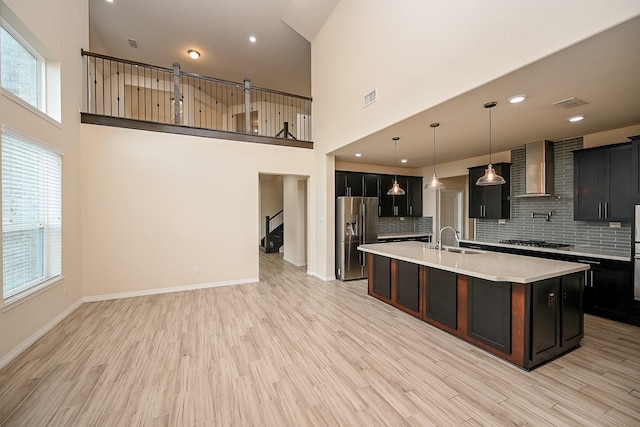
<point>518,324</point>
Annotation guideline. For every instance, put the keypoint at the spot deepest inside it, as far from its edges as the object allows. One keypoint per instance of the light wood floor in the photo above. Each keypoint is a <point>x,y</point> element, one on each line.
<point>292,350</point>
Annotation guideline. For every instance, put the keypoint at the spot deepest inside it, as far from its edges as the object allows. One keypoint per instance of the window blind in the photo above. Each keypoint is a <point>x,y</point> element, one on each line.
<point>31,213</point>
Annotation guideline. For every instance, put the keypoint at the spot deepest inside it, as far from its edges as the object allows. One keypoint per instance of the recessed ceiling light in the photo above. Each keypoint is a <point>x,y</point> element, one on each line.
<point>193,54</point>
<point>404,161</point>
<point>252,39</point>
<point>576,118</point>
<point>517,98</point>
<point>109,1</point>
<point>358,154</point>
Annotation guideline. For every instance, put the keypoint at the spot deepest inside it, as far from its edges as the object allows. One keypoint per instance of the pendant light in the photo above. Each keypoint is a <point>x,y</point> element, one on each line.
<point>490,176</point>
<point>395,188</point>
<point>434,183</point>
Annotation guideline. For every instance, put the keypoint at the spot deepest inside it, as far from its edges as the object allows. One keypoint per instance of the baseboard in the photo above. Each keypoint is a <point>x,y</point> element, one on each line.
<point>7,358</point>
<point>297,264</point>
<point>323,278</point>
<point>157,291</point>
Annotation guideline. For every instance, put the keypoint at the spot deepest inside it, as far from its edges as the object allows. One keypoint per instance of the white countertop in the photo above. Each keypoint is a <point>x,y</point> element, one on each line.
<point>404,235</point>
<point>494,266</point>
<point>587,251</point>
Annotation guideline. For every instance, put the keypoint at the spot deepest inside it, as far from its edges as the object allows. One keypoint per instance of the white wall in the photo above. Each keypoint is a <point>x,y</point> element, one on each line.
<point>294,219</point>
<point>63,28</point>
<point>156,205</point>
<point>419,54</point>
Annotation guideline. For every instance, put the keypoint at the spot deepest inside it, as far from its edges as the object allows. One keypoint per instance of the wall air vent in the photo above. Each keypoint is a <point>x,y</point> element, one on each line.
<point>370,98</point>
<point>570,103</point>
<point>133,43</point>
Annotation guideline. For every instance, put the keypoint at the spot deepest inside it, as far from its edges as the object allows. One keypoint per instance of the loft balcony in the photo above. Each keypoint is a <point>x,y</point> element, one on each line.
<point>140,96</point>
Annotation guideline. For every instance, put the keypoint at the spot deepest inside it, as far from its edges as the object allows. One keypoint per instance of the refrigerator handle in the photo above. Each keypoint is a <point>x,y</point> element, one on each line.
<point>363,231</point>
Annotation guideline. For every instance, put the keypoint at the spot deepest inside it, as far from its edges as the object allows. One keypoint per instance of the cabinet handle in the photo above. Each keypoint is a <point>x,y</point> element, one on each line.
<point>606,209</point>
<point>591,281</point>
<point>600,210</point>
<point>551,299</point>
<point>410,210</point>
<point>589,262</point>
<point>379,210</point>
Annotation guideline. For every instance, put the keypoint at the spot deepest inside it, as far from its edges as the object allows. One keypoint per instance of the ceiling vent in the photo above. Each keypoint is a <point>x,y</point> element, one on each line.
<point>133,43</point>
<point>570,103</point>
<point>370,98</point>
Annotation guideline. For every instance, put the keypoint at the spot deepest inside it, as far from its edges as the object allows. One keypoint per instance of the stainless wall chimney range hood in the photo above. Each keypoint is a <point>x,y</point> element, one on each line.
<point>538,169</point>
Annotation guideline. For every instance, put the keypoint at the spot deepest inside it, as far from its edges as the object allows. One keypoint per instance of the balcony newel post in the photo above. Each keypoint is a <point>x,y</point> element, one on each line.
<point>247,105</point>
<point>176,93</point>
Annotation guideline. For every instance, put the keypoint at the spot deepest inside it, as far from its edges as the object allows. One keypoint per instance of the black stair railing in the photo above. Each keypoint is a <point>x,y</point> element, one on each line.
<point>274,232</point>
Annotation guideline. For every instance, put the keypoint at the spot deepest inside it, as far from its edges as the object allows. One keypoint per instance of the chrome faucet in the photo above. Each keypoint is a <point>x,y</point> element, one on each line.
<point>455,235</point>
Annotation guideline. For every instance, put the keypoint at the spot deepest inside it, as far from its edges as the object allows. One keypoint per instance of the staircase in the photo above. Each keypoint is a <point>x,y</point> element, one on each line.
<point>274,236</point>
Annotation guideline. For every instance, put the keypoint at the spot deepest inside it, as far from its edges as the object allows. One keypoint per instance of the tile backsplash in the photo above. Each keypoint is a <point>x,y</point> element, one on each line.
<point>561,228</point>
<point>398,225</point>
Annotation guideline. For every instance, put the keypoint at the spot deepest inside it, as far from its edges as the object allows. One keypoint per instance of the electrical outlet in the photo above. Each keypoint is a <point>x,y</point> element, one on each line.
<point>615,225</point>
<point>502,221</point>
<point>196,269</point>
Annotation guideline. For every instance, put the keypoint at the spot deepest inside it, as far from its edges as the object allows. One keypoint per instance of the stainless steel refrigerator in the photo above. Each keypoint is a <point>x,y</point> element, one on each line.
<point>356,224</point>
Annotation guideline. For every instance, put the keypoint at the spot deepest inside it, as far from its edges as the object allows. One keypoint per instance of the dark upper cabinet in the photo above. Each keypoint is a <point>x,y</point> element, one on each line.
<point>376,185</point>
<point>341,183</point>
<point>602,179</point>
<point>490,202</point>
<point>371,185</point>
<point>386,203</point>
<point>635,167</point>
<point>414,195</point>
<point>349,184</point>
<point>408,205</point>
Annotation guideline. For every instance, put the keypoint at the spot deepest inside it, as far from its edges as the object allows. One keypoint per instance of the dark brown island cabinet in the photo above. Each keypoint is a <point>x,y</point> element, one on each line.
<point>527,324</point>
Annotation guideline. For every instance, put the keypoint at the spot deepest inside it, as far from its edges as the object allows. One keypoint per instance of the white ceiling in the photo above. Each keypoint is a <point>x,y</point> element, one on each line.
<point>603,71</point>
<point>220,31</point>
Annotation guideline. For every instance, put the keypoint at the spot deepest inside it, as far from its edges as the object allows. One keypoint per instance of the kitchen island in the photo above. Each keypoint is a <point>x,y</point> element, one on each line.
<point>525,310</point>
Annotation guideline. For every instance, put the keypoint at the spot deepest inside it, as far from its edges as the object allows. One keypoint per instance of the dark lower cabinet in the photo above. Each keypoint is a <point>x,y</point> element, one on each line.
<point>556,316</point>
<point>489,313</point>
<point>572,309</point>
<point>442,297</point>
<point>408,285</point>
<point>382,276</point>
<point>608,288</point>
<point>545,316</point>
<point>526,324</point>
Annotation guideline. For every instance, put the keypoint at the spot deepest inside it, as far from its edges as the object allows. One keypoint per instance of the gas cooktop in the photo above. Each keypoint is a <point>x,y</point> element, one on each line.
<point>535,243</point>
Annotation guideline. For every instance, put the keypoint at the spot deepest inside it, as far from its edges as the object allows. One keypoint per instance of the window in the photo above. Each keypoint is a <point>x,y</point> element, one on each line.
<point>22,68</point>
<point>29,71</point>
<point>31,214</point>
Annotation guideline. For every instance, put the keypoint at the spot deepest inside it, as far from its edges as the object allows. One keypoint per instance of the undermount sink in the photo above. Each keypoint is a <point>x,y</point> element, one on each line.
<point>463,251</point>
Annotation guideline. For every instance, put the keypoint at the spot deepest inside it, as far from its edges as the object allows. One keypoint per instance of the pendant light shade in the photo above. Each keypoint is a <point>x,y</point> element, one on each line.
<point>490,176</point>
<point>395,190</point>
<point>434,183</point>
